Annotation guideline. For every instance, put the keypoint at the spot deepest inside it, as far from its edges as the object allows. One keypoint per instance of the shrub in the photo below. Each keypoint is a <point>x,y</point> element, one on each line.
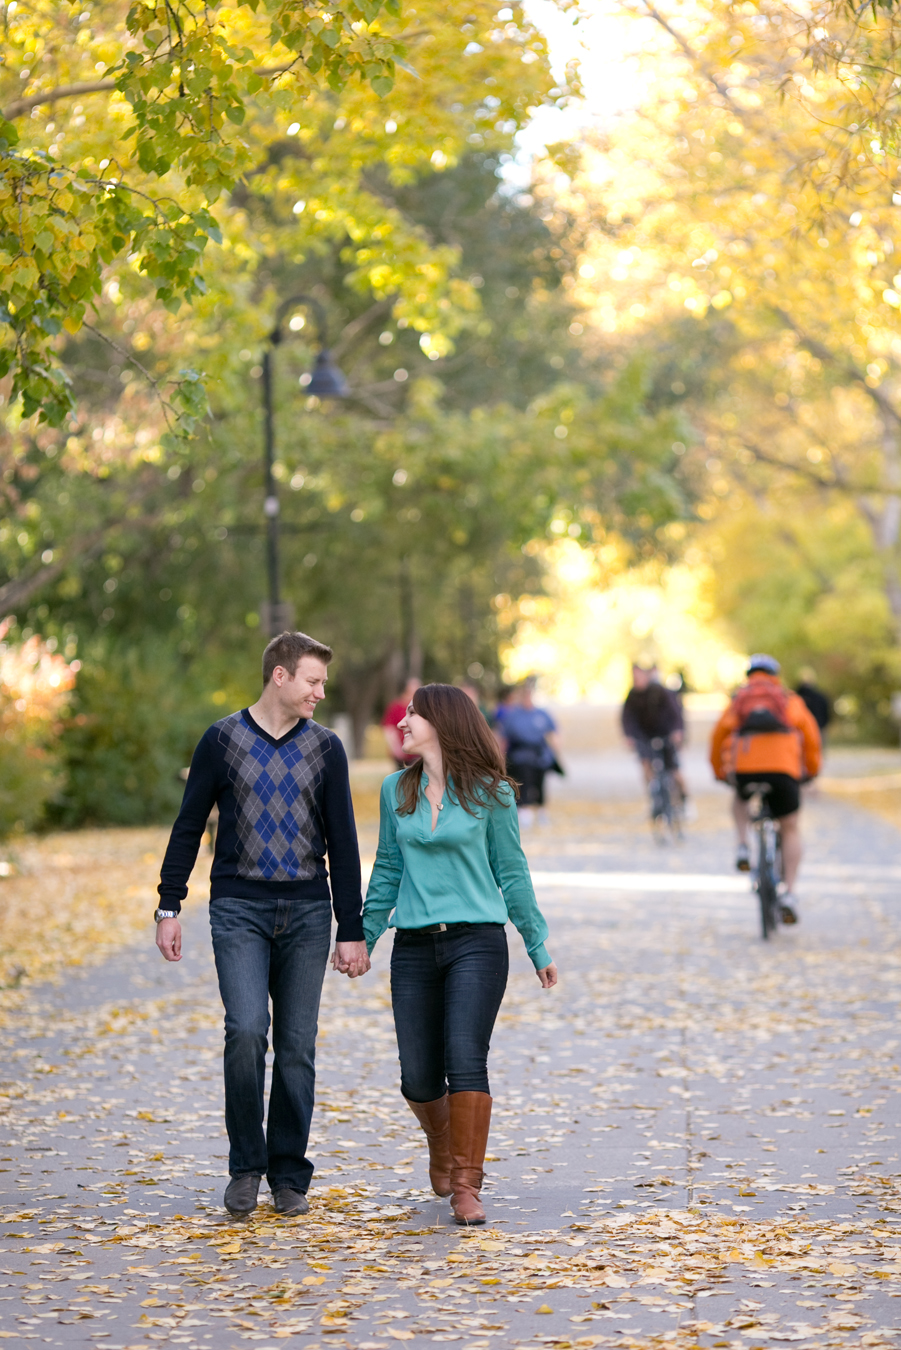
<point>34,690</point>
<point>135,719</point>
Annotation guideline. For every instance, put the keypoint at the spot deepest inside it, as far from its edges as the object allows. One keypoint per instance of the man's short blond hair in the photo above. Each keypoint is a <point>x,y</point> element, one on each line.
<point>288,649</point>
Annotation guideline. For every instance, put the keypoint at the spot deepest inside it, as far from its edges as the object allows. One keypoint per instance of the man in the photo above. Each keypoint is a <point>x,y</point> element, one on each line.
<point>652,712</point>
<point>281,784</point>
<point>394,715</point>
<point>767,735</point>
<point>815,700</point>
<point>530,741</point>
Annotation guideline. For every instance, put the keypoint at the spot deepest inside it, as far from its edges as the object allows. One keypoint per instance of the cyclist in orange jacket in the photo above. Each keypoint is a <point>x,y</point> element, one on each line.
<point>767,735</point>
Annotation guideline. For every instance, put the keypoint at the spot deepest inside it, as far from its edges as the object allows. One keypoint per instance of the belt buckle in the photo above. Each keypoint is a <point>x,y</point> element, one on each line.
<point>442,928</point>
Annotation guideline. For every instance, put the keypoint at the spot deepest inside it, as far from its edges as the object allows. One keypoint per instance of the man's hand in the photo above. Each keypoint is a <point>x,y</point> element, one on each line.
<point>168,938</point>
<point>548,976</point>
<point>351,959</point>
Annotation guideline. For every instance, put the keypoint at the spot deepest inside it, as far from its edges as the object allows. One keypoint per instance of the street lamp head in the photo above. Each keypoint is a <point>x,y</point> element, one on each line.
<point>327,380</point>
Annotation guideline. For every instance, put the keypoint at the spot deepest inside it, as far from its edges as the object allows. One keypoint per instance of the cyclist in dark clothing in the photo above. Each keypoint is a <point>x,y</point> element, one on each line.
<point>816,701</point>
<point>652,712</point>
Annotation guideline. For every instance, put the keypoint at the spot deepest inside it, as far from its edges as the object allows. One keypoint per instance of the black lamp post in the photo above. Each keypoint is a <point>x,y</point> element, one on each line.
<point>326,381</point>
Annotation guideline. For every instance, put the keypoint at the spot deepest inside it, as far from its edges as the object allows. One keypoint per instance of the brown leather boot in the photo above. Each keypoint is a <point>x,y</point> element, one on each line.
<point>434,1118</point>
<point>470,1118</point>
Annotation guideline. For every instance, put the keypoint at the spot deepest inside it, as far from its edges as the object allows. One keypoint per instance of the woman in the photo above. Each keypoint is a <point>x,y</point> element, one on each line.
<point>532,747</point>
<point>451,867</point>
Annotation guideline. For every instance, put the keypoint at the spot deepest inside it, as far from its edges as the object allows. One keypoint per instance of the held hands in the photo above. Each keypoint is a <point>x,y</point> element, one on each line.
<point>548,976</point>
<point>350,959</point>
<point>168,938</point>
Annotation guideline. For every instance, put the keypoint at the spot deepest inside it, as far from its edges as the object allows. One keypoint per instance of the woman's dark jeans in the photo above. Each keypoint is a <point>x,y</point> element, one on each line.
<point>277,949</point>
<point>446,989</point>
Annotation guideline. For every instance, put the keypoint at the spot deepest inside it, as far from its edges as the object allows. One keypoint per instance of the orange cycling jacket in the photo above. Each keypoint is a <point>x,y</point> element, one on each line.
<point>796,752</point>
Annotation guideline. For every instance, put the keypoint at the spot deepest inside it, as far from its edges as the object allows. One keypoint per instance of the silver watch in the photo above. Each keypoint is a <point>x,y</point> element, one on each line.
<point>164,914</point>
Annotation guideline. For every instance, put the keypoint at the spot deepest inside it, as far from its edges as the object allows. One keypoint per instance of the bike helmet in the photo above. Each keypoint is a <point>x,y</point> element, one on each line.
<point>768,664</point>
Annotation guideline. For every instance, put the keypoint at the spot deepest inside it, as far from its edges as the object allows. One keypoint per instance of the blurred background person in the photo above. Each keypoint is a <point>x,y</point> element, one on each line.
<point>652,712</point>
<point>393,716</point>
<point>474,692</point>
<point>505,695</point>
<point>816,701</point>
<point>530,742</point>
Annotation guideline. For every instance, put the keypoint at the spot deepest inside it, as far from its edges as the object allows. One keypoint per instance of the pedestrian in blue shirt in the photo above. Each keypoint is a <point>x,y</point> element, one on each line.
<point>280,782</point>
<point>448,873</point>
<point>531,744</point>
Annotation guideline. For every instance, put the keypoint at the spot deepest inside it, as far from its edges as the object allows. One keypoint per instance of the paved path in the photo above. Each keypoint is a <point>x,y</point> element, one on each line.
<point>695,1137</point>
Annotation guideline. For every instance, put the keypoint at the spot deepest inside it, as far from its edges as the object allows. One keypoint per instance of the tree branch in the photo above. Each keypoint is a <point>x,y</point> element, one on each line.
<point>20,106</point>
<point>19,590</point>
<point>852,372</point>
<point>692,55</point>
<point>832,485</point>
<point>23,105</point>
<point>352,331</point>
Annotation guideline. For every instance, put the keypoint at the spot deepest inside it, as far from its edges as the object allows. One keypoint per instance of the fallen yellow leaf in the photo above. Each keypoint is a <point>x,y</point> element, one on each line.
<point>313,1279</point>
<point>400,1335</point>
<point>544,1309</point>
<point>841,1268</point>
<point>657,1273</point>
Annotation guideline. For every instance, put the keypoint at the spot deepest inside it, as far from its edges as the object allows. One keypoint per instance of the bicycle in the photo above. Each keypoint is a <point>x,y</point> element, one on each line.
<point>665,794</point>
<point>768,869</point>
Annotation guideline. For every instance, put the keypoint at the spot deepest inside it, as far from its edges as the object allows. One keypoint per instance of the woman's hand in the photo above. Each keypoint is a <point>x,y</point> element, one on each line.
<point>548,976</point>
<point>351,959</point>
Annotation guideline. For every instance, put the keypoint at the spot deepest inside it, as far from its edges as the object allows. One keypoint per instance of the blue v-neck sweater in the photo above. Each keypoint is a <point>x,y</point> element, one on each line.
<point>470,870</point>
<point>282,805</point>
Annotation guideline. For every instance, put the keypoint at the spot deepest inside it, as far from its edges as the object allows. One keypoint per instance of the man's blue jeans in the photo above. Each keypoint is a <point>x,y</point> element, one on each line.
<point>277,949</point>
<point>446,989</point>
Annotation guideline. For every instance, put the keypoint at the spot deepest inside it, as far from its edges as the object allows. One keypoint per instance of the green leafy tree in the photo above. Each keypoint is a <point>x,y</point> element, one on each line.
<point>193,109</point>
<point>408,509</point>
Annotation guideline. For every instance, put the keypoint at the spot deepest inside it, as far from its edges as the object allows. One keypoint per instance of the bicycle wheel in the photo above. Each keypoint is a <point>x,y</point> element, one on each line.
<point>766,886</point>
<point>661,807</point>
<point>676,813</point>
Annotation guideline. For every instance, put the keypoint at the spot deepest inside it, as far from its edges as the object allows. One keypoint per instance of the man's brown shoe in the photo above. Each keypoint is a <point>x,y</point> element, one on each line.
<point>434,1117</point>
<point>470,1119</point>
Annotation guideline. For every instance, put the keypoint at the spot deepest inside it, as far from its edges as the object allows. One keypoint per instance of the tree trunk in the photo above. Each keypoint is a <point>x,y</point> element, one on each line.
<point>361,687</point>
<point>884,518</point>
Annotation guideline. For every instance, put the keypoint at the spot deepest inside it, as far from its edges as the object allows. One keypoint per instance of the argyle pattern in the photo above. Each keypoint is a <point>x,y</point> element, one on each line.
<point>274,790</point>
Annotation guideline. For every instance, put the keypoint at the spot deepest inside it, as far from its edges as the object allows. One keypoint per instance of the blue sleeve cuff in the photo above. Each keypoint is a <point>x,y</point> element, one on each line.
<point>540,957</point>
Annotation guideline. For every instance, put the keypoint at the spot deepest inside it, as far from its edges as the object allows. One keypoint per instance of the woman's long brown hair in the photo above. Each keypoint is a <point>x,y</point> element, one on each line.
<point>473,766</point>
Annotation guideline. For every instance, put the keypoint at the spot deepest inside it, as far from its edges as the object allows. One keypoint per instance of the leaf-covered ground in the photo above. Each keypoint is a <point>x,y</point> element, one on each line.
<point>70,899</point>
<point>695,1138</point>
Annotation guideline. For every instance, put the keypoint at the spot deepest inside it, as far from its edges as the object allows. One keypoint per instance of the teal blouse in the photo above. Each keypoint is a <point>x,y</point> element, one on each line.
<point>470,870</point>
